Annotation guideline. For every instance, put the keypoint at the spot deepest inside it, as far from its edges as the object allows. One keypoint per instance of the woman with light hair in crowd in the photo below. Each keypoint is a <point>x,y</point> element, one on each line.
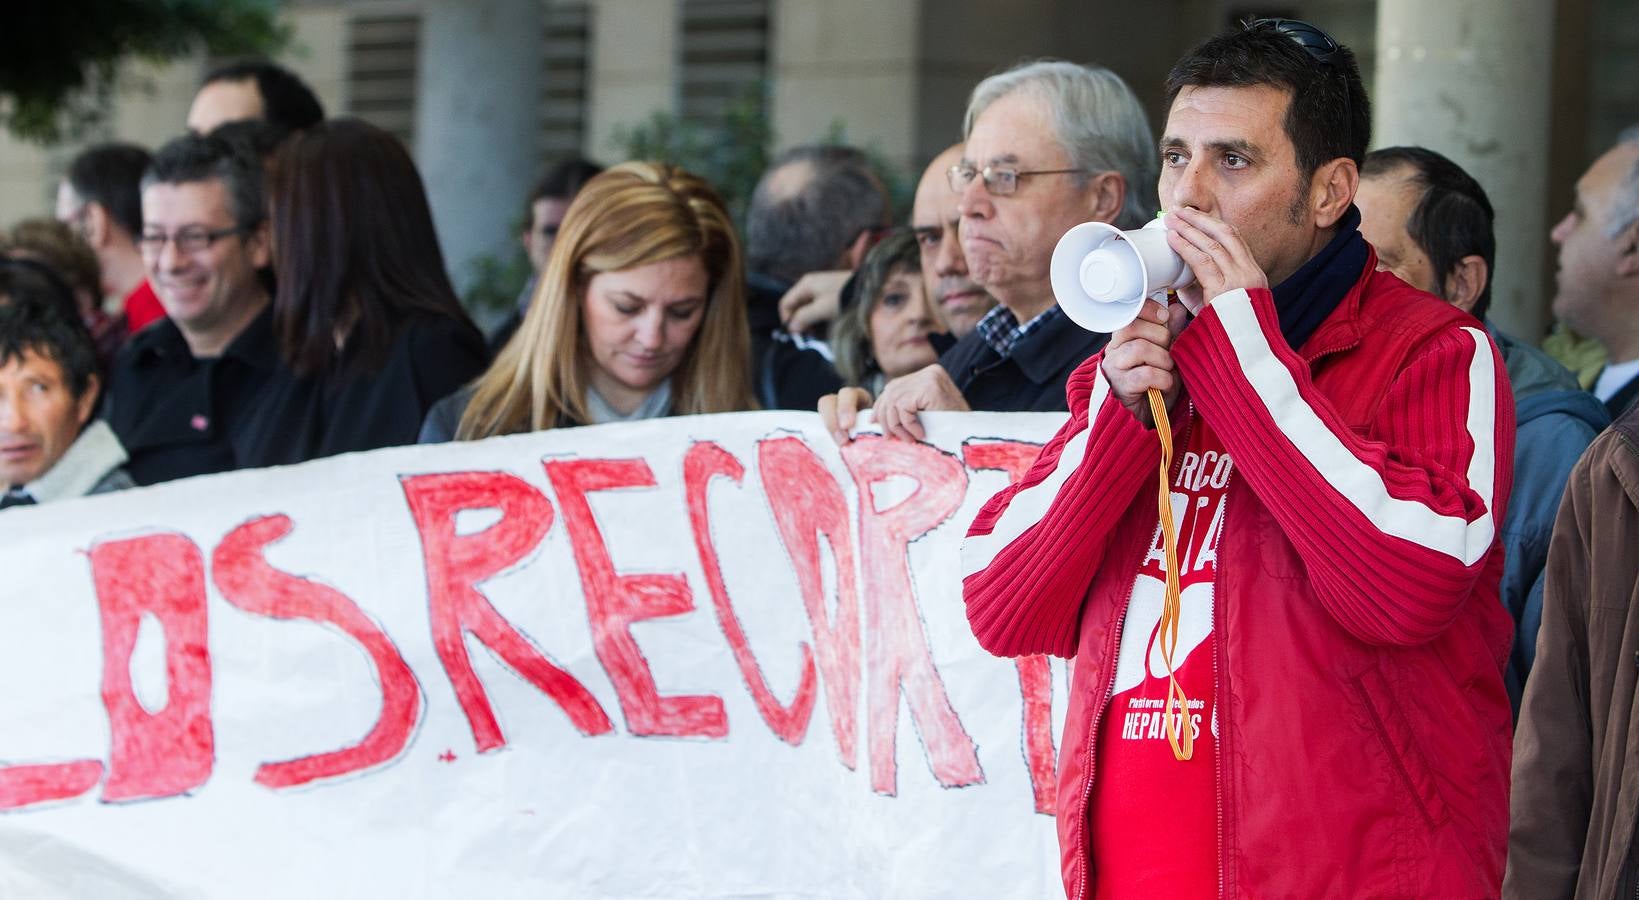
<point>639,314</point>
<point>885,334</point>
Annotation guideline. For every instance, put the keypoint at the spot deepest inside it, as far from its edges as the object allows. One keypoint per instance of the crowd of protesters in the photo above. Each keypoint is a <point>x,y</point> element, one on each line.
<point>1422,595</point>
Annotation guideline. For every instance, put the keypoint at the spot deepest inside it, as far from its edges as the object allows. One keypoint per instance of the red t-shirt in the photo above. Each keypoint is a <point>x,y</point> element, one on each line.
<point>1154,818</point>
<point>142,307</point>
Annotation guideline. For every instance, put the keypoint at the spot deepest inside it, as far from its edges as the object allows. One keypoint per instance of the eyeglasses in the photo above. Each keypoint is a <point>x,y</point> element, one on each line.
<point>1316,43</point>
<point>188,240</point>
<point>999,182</point>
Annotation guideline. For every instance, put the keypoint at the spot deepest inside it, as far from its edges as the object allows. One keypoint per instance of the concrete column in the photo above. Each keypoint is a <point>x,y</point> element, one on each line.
<point>478,122</point>
<point>632,70</point>
<point>1471,80</point>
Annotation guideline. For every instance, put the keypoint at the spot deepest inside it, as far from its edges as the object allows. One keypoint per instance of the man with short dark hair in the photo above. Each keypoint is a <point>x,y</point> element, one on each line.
<point>1316,662</point>
<point>254,89</point>
<point>182,390</point>
<point>1431,224</point>
<point>818,208</point>
<point>548,203</point>
<point>48,389</point>
<point>101,198</point>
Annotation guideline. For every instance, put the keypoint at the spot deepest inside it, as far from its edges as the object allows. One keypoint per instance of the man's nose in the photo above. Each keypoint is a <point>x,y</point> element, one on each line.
<point>1189,188</point>
<point>1561,229</point>
<point>973,199</point>
<point>170,257</point>
<point>949,259</point>
<point>11,413</point>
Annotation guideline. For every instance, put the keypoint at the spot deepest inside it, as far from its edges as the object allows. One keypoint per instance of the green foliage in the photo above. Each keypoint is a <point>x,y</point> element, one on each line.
<point>731,152</point>
<point>61,59</point>
<point>494,283</point>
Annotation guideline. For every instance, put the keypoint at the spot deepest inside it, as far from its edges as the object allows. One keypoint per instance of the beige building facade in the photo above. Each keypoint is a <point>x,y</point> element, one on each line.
<point>1524,92</point>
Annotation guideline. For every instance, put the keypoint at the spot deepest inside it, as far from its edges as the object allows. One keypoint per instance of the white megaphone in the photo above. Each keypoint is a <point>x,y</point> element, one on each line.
<point>1102,275</point>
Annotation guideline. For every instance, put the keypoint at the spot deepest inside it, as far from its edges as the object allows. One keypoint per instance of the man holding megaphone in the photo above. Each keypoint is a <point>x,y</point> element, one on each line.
<point>1288,677</point>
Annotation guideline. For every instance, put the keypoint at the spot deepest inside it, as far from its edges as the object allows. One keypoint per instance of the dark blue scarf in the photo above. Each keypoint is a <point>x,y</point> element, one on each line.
<point>1305,299</point>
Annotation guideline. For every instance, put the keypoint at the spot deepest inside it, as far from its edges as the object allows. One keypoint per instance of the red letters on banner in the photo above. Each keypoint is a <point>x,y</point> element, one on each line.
<point>171,751</point>
<point>807,505</point>
<point>168,752</point>
<point>455,565</point>
<point>897,649</point>
<point>247,581</point>
<point>704,462</point>
<point>614,602</point>
<point>1035,675</point>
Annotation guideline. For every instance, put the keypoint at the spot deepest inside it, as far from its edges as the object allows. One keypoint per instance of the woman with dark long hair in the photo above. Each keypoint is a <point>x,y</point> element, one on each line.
<point>366,319</point>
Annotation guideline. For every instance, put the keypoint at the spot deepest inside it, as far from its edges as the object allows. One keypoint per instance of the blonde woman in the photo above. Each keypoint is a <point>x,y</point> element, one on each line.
<point>639,314</point>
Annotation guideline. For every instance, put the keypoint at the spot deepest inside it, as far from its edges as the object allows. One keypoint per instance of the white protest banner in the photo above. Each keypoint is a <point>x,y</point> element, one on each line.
<point>695,657</point>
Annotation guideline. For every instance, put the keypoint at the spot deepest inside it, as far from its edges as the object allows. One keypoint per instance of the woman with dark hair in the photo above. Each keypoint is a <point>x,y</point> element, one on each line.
<point>366,320</point>
<point>885,334</point>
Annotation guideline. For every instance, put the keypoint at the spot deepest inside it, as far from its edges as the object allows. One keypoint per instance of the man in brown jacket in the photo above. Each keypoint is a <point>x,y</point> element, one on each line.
<point>1576,753</point>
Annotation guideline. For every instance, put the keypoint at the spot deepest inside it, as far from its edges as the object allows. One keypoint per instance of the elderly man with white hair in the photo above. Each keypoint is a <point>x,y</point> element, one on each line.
<point>1049,145</point>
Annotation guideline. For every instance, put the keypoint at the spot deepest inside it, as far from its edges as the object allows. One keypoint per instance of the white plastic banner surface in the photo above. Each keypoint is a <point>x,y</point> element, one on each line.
<point>699,657</point>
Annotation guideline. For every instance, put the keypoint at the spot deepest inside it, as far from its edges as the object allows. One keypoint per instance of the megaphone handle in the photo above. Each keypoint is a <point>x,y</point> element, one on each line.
<point>1179,735</point>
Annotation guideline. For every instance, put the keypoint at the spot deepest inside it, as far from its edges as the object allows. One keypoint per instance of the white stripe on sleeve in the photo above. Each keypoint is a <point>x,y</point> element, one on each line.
<point>1030,504</point>
<point>1358,483</point>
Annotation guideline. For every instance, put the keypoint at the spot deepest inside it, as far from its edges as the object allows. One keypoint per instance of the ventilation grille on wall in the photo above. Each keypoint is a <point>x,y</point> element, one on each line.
<point>724,55</point>
<point>381,72</point>
<point>567,44</point>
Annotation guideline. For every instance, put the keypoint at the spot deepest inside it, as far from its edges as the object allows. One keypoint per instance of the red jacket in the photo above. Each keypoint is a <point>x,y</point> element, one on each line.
<point>1360,644</point>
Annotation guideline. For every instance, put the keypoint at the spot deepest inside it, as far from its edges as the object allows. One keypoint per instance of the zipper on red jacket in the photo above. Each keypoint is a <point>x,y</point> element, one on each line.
<point>1109,684</point>
<point>1092,736</point>
<point>1218,680</point>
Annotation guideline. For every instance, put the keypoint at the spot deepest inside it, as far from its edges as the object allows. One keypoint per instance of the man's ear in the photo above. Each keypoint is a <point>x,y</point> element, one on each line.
<point>1332,190</point>
<point>854,256</point>
<point>1465,282</point>
<point>1106,194</point>
<point>97,225</point>
<point>87,402</point>
<point>260,244</point>
<point>1627,251</point>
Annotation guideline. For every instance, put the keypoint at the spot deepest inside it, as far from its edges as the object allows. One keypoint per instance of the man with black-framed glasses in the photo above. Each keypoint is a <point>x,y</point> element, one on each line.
<point>179,389</point>
<point>1303,696</point>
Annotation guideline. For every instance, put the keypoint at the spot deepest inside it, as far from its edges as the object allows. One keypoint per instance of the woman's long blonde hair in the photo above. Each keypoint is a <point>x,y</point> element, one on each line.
<point>632,215</point>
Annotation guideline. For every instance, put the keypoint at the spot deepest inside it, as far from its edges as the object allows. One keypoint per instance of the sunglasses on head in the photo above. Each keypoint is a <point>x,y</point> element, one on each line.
<point>1318,44</point>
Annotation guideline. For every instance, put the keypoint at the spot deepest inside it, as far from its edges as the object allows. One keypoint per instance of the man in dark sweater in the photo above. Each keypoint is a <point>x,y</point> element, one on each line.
<point>181,391</point>
<point>1049,145</point>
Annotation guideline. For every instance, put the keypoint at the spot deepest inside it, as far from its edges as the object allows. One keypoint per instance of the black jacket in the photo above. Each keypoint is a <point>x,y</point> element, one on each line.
<point>179,416</point>
<point>1032,378</point>
<point>348,409</point>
